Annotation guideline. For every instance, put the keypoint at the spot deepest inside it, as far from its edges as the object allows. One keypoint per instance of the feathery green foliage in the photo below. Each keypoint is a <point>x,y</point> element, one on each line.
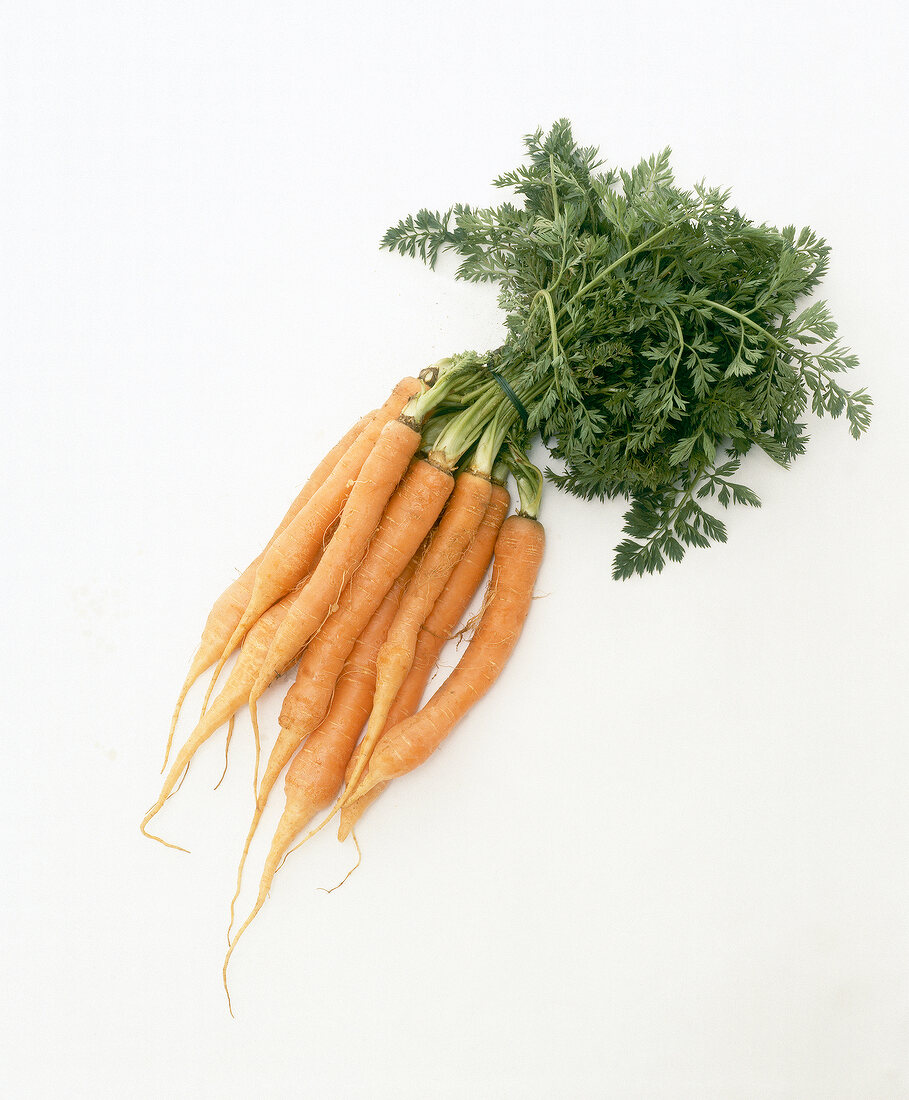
<point>654,335</point>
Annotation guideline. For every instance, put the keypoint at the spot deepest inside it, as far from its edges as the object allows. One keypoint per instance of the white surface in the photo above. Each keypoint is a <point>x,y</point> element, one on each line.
<point>667,858</point>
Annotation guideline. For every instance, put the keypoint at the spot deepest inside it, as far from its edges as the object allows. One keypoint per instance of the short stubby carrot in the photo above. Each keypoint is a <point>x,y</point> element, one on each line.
<point>459,523</point>
<point>378,478</point>
<point>233,695</point>
<point>518,556</point>
<point>317,770</point>
<point>229,607</point>
<point>293,553</point>
<point>447,612</point>
<point>409,516</point>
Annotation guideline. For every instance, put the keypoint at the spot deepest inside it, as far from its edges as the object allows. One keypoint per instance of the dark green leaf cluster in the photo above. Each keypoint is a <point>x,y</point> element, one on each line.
<point>654,333</point>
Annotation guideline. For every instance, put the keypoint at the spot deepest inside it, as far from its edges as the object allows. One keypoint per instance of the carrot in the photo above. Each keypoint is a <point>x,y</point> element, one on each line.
<point>378,478</point>
<point>317,770</point>
<point>229,607</point>
<point>518,555</point>
<point>406,702</point>
<point>351,812</point>
<point>293,553</point>
<point>232,696</point>
<point>448,611</point>
<point>409,515</point>
<point>460,521</point>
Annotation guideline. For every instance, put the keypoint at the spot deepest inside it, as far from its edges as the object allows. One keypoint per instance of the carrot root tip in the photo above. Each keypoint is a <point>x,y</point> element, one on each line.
<point>160,840</point>
<point>337,886</point>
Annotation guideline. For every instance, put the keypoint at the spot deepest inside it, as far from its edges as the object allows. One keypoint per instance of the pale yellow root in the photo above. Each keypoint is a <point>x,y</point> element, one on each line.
<point>191,678</point>
<point>152,836</point>
<point>181,780</point>
<point>230,733</point>
<point>284,834</point>
<point>254,714</point>
<point>331,889</point>
<point>233,901</point>
<point>352,811</point>
<point>211,684</point>
<point>312,832</point>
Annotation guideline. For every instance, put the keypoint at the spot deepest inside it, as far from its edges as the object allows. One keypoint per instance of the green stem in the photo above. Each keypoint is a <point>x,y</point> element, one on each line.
<point>553,328</point>
<point>552,185</point>
<point>499,472</point>
<point>598,278</point>
<point>491,441</point>
<point>454,375</point>
<point>529,480</point>
<point>745,320</point>
<point>434,428</point>
<point>678,328</point>
<point>466,427</point>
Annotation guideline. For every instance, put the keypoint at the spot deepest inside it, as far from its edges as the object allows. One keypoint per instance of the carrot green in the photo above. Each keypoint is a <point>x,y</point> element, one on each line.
<point>655,336</point>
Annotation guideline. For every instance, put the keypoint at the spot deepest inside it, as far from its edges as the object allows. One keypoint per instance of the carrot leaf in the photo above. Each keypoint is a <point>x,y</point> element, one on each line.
<point>655,335</point>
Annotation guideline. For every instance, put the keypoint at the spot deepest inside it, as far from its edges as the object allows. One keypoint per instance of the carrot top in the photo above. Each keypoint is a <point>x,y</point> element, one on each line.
<point>654,337</point>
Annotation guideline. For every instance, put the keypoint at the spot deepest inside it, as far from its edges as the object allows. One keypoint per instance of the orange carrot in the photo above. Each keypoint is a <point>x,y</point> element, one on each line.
<point>406,702</point>
<point>232,696</point>
<point>459,523</point>
<point>518,555</point>
<point>409,515</point>
<point>229,607</point>
<point>317,770</point>
<point>378,478</point>
<point>441,622</point>
<point>293,553</point>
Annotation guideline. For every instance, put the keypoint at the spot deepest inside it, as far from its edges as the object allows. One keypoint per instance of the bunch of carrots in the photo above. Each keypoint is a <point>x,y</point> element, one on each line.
<point>654,337</point>
<point>367,576</point>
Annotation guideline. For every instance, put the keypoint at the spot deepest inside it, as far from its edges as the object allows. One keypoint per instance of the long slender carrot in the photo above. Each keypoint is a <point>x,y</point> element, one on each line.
<point>409,515</point>
<point>232,696</point>
<point>457,527</point>
<point>378,479</point>
<point>406,702</point>
<point>229,607</point>
<point>293,553</point>
<point>518,555</point>
<point>439,626</point>
<point>317,770</point>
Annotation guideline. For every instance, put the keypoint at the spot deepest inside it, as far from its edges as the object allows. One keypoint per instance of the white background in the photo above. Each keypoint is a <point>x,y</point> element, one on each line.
<point>667,857</point>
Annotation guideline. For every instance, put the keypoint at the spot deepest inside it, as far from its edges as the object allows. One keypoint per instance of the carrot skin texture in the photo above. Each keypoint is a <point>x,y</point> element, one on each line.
<point>233,695</point>
<point>410,514</point>
<point>457,527</point>
<point>518,556</point>
<point>293,553</point>
<point>317,770</point>
<point>229,607</point>
<point>438,628</point>
<point>459,524</point>
<point>407,701</point>
<point>377,480</point>
<point>352,811</point>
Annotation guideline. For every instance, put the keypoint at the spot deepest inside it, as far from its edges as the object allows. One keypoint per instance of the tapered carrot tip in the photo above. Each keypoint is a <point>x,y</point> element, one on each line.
<point>287,829</point>
<point>338,885</point>
<point>151,836</point>
<point>173,722</point>
<point>352,811</point>
<point>230,950</point>
<point>162,798</point>
<point>263,894</point>
<point>230,1007</point>
<point>257,814</point>
<point>366,784</point>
